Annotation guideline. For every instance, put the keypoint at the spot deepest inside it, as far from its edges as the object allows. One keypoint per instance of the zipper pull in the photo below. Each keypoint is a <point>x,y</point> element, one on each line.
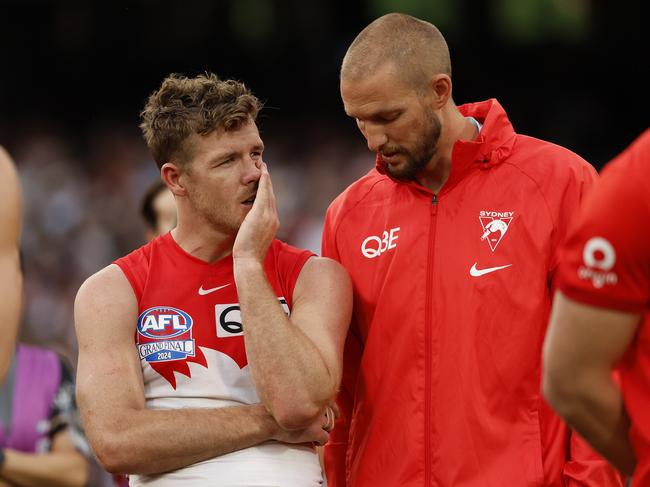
<point>434,205</point>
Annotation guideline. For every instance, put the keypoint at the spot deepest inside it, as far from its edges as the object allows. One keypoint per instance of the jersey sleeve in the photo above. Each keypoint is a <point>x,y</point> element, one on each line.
<point>606,259</point>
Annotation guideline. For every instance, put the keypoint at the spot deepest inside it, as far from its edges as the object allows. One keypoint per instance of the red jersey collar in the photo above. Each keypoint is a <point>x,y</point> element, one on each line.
<point>493,144</point>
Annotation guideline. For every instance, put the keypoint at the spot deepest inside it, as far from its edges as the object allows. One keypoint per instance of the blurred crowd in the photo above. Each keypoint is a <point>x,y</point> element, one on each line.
<point>82,207</point>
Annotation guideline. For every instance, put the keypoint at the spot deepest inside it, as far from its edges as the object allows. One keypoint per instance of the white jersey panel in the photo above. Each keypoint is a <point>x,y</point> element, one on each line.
<point>270,464</point>
<point>224,384</point>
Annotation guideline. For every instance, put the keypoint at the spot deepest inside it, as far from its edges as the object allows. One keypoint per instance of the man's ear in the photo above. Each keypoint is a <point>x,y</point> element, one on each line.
<point>440,88</point>
<point>172,176</point>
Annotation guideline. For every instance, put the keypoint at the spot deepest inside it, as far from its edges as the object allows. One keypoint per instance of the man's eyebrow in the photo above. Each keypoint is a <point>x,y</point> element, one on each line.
<point>375,114</point>
<point>228,155</point>
<point>222,156</point>
<point>386,111</point>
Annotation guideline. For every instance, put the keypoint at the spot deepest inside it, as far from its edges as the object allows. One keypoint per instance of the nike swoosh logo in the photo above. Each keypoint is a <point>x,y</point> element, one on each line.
<point>474,272</point>
<point>203,292</point>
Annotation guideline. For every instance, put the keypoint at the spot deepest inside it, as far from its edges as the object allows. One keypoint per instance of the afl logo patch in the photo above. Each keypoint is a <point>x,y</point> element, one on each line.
<point>163,322</point>
<point>157,327</point>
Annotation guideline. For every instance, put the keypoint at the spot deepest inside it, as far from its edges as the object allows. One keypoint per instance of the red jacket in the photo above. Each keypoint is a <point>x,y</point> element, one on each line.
<point>452,291</point>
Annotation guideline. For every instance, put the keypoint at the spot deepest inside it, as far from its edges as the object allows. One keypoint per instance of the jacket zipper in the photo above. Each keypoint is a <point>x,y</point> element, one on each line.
<point>428,334</point>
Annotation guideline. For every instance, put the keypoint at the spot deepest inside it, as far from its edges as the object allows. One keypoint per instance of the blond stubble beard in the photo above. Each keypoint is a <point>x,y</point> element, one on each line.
<point>415,162</point>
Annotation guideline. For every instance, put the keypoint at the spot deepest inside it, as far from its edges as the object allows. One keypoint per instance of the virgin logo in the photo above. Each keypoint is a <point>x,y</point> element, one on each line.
<point>599,258</point>
<point>373,246</point>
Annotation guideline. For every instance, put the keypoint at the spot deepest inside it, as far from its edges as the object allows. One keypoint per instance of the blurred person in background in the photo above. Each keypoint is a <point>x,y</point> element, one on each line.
<point>451,243</point>
<point>238,337</point>
<point>10,274</point>
<point>41,444</point>
<point>158,210</point>
<point>601,317</point>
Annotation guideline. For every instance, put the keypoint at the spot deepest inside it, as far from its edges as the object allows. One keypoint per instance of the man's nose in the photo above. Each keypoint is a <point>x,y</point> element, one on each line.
<point>253,170</point>
<point>375,137</point>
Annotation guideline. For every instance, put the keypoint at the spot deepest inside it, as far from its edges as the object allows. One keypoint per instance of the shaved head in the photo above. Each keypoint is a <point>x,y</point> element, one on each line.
<point>416,48</point>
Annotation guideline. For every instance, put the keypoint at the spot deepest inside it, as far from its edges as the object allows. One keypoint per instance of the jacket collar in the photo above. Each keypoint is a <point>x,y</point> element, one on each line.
<point>493,144</point>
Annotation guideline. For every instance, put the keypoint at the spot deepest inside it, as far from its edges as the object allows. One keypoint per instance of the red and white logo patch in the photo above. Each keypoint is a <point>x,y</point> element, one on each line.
<point>495,225</point>
<point>599,258</point>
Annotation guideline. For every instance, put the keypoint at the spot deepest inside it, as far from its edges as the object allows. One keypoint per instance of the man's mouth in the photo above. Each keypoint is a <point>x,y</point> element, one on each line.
<point>249,201</point>
<point>389,157</point>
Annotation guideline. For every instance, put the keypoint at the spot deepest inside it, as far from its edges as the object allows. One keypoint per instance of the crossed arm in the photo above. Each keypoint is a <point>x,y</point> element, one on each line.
<point>582,346</point>
<point>10,274</point>
<point>296,361</point>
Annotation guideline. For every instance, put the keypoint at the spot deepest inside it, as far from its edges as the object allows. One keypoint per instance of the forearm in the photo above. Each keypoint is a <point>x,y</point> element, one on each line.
<point>68,469</point>
<point>287,368</point>
<point>167,440</point>
<point>593,406</point>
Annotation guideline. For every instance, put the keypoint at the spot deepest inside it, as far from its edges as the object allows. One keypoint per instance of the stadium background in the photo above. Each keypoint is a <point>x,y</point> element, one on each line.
<point>75,73</point>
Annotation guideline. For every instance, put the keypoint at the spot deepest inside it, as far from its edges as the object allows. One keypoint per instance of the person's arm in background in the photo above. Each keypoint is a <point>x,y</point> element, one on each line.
<point>62,466</point>
<point>604,279</point>
<point>110,394</point>
<point>10,273</point>
<point>65,464</point>
<point>582,347</point>
<point>295,361</point>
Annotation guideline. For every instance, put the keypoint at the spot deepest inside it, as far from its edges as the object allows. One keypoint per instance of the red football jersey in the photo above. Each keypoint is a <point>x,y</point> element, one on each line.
<point>606,263</point>
<point>189,337</point>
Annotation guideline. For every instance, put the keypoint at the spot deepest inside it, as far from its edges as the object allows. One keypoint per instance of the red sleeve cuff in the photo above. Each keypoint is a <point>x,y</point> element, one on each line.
<point>601,300</point>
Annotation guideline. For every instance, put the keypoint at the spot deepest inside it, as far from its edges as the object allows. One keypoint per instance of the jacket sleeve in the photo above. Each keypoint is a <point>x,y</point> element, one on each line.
<point>580,182</point>
<point>336,448</point>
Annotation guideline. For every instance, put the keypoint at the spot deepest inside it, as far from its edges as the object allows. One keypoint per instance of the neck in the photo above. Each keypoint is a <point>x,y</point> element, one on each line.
<point>201,240</point>
<point>455,127</point>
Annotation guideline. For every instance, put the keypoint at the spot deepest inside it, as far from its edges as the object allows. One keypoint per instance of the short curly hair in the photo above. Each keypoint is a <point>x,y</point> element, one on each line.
<point>185,106</point>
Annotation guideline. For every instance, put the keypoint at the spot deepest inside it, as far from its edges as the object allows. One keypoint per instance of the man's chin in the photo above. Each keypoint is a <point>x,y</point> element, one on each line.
<point>401,172</point>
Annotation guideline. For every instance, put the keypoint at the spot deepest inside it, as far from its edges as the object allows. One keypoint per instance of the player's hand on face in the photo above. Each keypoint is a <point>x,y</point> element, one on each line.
<point>261,223</point>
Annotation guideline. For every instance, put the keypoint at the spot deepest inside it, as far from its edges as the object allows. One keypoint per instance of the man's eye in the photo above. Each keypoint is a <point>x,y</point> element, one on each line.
<point>388,118</point>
